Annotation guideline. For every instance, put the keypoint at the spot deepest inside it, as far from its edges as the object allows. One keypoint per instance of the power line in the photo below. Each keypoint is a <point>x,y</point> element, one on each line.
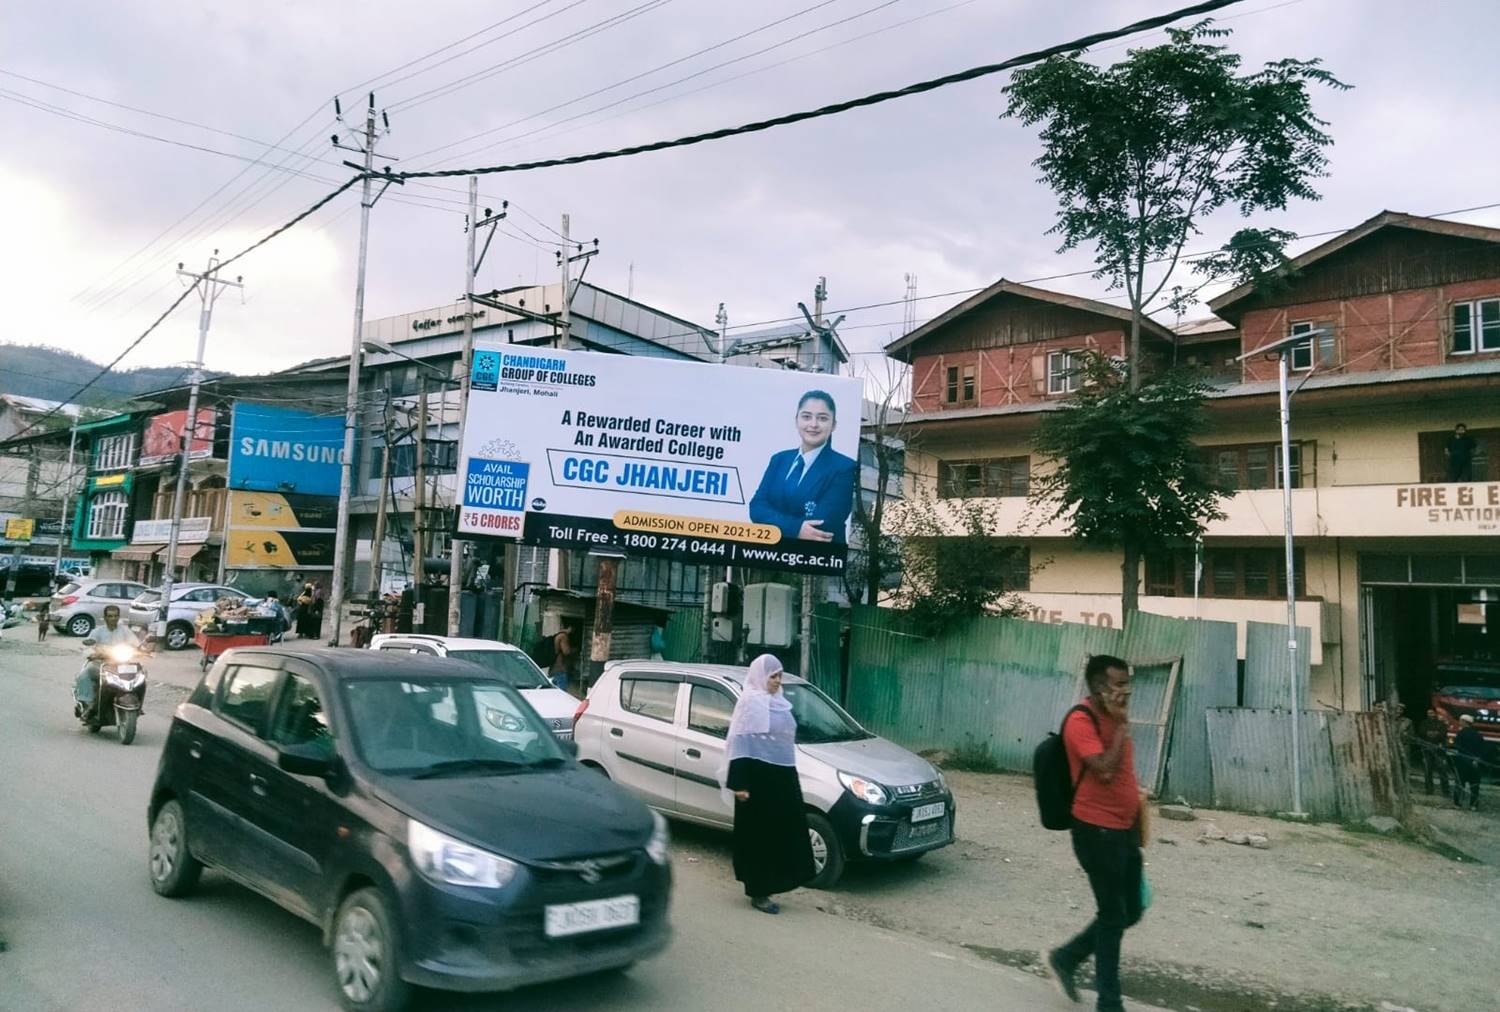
<point>645,73</point>
<point>670,84</point>
<point>546,49</point>
<point>837,108</point>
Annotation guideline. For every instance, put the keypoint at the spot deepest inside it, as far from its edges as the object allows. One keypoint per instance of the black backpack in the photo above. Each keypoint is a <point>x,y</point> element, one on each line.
<point>1053,780</point>
<point>545,652</point>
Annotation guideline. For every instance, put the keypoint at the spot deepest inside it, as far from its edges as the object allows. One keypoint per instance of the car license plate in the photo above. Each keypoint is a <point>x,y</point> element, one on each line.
<point>922,830</point>
<point>596,915</point>
<point>923,813</point>
<point>127,669</point>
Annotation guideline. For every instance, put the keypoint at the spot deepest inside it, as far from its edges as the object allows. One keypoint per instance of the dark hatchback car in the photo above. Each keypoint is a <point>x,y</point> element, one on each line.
<point>418,811</point>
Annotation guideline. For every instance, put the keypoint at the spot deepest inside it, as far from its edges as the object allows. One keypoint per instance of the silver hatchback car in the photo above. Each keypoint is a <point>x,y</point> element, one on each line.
<point>658,728</point>
<point>79,605</point>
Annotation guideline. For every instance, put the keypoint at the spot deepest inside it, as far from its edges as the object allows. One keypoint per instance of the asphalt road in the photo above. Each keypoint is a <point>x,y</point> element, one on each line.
<point>83,929</point>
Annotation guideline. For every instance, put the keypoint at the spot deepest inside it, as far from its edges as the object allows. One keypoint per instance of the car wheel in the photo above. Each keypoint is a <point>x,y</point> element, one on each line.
<point>80,625</point>
<point>179,635</point>
<point>595,767</point>
<point>174,870</point>
<point>828,853</point>
<point>364,955</point>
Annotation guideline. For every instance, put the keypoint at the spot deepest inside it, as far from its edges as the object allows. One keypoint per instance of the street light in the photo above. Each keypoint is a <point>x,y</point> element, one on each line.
<point>1282,349</point>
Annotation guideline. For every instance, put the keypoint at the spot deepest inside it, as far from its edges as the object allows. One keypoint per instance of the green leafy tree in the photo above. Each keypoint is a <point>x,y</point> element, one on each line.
<point>1141,151</point>
<point>953,567</point>
<point>1125,471</point>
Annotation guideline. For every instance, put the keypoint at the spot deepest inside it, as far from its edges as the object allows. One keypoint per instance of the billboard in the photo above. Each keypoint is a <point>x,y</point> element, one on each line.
<point>272,530</point>
<point>162,438</point>
<point>703,463</point>
<point>277,449</point>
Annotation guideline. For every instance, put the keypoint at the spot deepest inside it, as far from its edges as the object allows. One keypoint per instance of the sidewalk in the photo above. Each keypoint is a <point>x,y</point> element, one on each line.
<point>1326,918</point>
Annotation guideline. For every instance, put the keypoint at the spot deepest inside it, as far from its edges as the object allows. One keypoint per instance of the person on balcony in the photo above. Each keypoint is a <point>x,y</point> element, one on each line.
<point>1459,452</point>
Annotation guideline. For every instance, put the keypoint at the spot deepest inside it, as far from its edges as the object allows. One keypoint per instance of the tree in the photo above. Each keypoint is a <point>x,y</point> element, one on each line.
<point>953,566</point>
<point>1139,152</point>
<point>1126,472</point>
<point>884,438</point>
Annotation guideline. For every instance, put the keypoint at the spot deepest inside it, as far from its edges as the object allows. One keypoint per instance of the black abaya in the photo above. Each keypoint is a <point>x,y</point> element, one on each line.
<point>772,852</point>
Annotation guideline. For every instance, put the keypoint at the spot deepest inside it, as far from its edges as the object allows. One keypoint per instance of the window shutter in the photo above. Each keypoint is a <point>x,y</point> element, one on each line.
<point>1039,373</point>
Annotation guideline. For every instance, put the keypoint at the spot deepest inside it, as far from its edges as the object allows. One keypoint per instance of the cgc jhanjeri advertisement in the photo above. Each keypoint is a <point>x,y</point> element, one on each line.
<point>705,463</point>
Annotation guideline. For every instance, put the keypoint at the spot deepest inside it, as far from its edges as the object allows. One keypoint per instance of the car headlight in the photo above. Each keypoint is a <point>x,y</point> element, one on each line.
<point>661,836</point>
<point>440,858</point>
<point>865,790</point>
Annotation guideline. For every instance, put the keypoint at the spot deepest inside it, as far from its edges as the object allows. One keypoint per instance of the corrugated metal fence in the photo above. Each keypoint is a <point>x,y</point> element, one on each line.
<point>1351,762</point>
<point>1004,683</point>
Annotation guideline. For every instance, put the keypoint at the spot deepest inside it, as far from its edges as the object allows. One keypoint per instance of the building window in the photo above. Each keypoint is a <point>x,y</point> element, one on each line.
<point>1254,465</point>
<point>114,453</point>
<point>984,479</point>
<point>1015,571</point>
<point>1433,458</point>
<point>1242,573</point>
<point>1062,372</point>
<point>1327,345</point>
<point>1476,326</point>
<point>107,516</point>
<point>961,384</point>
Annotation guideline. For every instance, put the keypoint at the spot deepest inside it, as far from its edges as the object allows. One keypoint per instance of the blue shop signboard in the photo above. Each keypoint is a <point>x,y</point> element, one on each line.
<point>277,449</point>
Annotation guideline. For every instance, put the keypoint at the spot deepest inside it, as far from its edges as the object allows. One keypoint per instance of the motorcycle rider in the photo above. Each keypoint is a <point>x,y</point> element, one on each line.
<point>98,642</point>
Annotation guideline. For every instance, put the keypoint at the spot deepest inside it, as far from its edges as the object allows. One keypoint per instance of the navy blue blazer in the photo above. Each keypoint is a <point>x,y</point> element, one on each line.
<point>826,493</point>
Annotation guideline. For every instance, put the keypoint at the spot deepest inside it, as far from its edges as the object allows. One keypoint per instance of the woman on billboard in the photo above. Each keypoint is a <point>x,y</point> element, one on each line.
<point>808,492</point>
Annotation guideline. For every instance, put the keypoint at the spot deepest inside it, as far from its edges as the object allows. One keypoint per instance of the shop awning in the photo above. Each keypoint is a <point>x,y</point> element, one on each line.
<point>136,553</point>
<point>185,553</point>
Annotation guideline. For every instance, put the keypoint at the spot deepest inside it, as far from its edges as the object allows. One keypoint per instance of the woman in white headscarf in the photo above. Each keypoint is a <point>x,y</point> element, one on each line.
<point>772,852</point>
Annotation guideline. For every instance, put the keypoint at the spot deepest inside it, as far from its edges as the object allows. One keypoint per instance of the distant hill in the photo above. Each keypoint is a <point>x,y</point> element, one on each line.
<point>51,373</point>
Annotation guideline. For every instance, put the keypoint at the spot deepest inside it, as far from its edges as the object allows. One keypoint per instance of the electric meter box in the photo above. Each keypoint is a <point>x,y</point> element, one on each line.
<point>722,630</point>
<point>723,598</point>
<point>771,614</point>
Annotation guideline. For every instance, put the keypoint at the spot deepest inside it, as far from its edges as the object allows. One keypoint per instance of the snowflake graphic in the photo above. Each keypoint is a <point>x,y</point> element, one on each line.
<point>499,449</point>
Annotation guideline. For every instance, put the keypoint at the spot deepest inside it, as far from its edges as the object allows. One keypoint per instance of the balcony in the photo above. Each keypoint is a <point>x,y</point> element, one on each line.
<point>1464,509</point>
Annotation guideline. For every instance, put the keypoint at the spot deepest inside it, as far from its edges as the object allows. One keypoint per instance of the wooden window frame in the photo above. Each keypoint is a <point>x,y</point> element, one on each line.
<point>983,487</point>
<point>1328,345</point>
<point>1475,327</point>
<point>1172,575</point>
<point>961,384</point>
<point>1303,451</point>
<point>1070,381</point>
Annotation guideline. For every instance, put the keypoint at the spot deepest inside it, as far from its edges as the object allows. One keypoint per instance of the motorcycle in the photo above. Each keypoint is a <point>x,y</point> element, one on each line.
<point>121,694</point>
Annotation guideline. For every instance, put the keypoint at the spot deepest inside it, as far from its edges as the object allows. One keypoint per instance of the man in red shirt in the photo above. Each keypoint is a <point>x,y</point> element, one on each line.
<point>1106,833</point>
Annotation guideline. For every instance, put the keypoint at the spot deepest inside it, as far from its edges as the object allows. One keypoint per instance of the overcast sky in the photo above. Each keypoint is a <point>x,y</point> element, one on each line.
<point>95,220</point>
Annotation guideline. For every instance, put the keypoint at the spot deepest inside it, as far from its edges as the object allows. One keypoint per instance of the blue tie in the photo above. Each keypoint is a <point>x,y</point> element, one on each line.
<point>794,476</point>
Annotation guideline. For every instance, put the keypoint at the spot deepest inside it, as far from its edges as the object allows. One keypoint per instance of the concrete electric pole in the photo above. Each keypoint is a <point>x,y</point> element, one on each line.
<point>210,286</point>
<point>366,147</point>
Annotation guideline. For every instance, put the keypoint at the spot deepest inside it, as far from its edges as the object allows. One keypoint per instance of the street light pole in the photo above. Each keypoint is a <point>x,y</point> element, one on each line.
<point>1291,582</point>
<point>455,547</point>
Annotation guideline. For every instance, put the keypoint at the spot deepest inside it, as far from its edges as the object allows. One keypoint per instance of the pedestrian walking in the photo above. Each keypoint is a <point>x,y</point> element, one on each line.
<point>772,851</point>
<point>43,620</point>
<point>1433,740</point>
<point>1106,828</point>
<point>308,621</point>
<point>1468,746</point>
<point>564,655</point>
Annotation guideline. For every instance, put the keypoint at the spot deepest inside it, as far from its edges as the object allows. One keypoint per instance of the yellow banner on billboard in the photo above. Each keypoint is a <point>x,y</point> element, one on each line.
<point>281,512</point>
<point>697,527</point>
<point>19,529</point>
<point>268,549</point>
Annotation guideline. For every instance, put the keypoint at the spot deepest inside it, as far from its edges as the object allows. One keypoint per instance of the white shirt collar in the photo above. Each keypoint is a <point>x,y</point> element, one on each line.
<point>807,456</point>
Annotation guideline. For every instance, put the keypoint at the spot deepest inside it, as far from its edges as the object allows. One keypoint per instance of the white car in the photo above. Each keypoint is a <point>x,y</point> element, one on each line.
<point>659,728</point>
<point>555,707</point>
<point>189,600</point>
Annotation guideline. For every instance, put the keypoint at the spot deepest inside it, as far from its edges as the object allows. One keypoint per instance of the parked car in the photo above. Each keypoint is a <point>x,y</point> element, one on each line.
<point>507,662</point>
<point>188,601</point>
<point>378,796</point>
<point>79,605</point>
<point>658,728</point>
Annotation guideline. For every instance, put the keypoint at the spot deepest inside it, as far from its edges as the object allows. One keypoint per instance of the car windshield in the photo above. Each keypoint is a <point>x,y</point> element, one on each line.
<point>513,667</point>
<point>444,727</point>
<point>820,721</point>
<point>1462,680</point>
<point>149,597</point>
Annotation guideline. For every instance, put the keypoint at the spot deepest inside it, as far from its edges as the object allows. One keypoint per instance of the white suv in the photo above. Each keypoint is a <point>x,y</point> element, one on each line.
<point>554,706</point>
<point>658,728</point>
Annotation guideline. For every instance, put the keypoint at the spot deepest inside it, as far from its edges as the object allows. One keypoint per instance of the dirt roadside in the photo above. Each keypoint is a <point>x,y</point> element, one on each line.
<point>1325,918</point>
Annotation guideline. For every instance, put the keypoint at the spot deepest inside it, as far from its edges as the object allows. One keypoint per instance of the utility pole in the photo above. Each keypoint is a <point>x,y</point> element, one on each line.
<point>377,547</point>
<point>419,506</point>
<point>366,147</point>
<point>209,287</point>
<point>62,521</point>
<point>566,262</point>
<point>811,584</point>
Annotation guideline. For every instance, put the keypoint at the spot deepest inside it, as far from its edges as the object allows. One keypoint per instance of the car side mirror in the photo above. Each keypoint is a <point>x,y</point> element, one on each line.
<point>304,760</point>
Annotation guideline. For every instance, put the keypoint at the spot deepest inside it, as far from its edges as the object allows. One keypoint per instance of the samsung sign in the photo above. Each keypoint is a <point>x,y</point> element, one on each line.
<point>276,449</point>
